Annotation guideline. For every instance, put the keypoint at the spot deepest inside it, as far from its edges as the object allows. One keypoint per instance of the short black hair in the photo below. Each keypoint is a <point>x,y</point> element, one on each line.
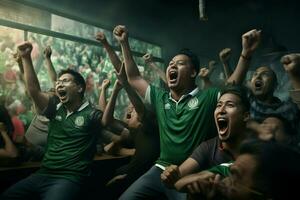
<point>78,78</point>
<point>240,91</point>
<point>6,119</point>
<point>194,58</point>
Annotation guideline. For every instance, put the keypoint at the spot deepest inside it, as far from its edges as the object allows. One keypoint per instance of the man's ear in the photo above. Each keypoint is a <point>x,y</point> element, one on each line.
<point>246,116</point>
<point>80,89</point>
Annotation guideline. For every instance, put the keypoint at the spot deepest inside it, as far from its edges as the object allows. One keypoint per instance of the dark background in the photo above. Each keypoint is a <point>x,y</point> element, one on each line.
<point>174,24</point>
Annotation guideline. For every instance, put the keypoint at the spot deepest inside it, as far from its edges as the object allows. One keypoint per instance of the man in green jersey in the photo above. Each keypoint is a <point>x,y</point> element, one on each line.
<point>71,139</point>
<point>184,114</point>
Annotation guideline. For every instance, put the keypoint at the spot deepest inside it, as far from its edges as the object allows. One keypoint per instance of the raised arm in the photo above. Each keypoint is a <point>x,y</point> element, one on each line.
<point>134,77</point>
<point>108,114</point>
<point>132,95</point>
<point>250,41</point>
<point>32,84</point>
<point>100,36</point>
<point>224,56</point>
<point>9,150</point>
<point>204,74</point>
<point>102,96</point>
<point>291,64</point>
<point>49,65</point>
<point>149,61</point>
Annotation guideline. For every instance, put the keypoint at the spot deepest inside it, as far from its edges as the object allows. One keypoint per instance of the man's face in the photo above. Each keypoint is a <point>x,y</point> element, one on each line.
<point>240,184</point>
<point>132,118</point>
<point>262,82</point>
<point>230,117</point>
<point>179,72</point>
<point>66,89</point>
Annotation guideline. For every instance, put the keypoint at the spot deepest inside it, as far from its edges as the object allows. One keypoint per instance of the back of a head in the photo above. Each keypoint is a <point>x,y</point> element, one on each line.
<point>278,169</point>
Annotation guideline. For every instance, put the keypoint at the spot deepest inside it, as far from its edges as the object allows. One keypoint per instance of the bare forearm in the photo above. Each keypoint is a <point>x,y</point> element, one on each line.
<point>108,115</point>
<point>102,99</point>
<point>227,70</point>
<point>134,99</point>
<point>112,56</point>
<point>131,68</point>
<point>30,77</point>
<point>51,71</point>
<point>239,74</point>
<point>295,80</point>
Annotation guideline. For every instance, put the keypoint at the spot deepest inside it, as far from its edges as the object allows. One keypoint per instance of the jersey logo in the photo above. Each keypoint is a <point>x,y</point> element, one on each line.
<point>167,106</point>
<point>79,121</point>
<point>58,118</point>
<point>193,103</point>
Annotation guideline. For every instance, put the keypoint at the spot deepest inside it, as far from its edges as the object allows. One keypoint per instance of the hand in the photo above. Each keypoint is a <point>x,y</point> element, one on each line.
<point>291,63</point>
<point>250,41</point>
<point>100,36</point>
<point>120,33</point>
<point>148,58</point>
<point>224,55</point>
<point>113,148</point>
<point>204,73</point>
<point>105,83</point>
<point>17,58</point>
<point>47,52</point>
<point>24,49</point>
<point>170,175</point>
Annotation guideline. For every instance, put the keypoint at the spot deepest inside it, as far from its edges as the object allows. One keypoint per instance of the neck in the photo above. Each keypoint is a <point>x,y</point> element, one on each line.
<point>73,106</point>
<point>233,145</point>
<point>269,98</point>
<point>177,94</point>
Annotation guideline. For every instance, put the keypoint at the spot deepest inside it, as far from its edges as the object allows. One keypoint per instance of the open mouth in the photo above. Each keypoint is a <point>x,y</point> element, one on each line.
<point>173,75</point>
<point>223,125</point>
<point>258,84</point>
<point>62,94</point>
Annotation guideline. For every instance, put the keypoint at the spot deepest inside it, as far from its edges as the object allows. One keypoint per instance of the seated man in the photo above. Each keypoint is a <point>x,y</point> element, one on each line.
<point>231,116</point>
<point>256,174</point>
<point>71,145</point>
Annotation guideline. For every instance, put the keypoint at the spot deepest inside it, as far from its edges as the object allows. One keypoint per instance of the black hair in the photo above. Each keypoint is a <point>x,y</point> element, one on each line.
<point>78,79</point>
<point>278,168</point>
<point>193,57</point>
<point>240,91</point>
<point>6,119</point>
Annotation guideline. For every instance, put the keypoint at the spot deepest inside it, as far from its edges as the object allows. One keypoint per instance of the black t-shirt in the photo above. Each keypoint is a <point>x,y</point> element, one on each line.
<point>210,153</point>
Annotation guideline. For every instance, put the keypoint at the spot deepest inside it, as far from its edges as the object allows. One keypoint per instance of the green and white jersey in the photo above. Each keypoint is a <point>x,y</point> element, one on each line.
<point>71,142</point>
<point>222,169</point>
<point>184,124</point>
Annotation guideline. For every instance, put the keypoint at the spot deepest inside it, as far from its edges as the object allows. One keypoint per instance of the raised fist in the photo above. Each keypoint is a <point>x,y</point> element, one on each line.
<point>291,63</point>
<point>24,49</point>
<point>250,41</point>
<point>100,37</point>
<point>225,54</point>
<point>120,33</point>
<point>148,58</point>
